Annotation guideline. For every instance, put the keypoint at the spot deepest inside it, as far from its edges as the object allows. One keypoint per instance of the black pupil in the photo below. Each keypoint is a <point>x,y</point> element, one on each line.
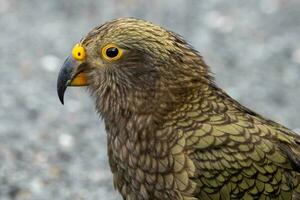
<point>112,52</point>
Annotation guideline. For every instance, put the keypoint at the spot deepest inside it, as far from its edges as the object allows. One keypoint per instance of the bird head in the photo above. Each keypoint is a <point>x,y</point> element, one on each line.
<point>133,65</point>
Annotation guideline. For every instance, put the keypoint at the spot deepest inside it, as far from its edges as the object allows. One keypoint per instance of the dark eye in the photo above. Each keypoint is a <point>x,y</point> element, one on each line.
<point>111,52</point>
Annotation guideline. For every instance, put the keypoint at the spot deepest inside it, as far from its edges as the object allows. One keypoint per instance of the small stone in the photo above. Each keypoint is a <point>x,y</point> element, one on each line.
<point>40,158</point>
<point>66,141</point>
<point>218,21</point>
<point>55,171</point>
<point>36,186</point>
<point>50,63</point>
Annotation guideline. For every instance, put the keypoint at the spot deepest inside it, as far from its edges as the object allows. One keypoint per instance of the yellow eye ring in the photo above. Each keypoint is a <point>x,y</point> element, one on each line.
<point>78,52</point>
<point>111,52</point>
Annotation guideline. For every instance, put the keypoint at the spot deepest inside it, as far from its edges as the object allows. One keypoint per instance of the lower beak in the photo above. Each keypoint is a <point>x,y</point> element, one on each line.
<point>71,74</point>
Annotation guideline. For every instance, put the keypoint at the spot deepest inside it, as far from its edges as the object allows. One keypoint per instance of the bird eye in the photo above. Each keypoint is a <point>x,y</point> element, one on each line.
<point>111,52</point>
<point>78,52</point>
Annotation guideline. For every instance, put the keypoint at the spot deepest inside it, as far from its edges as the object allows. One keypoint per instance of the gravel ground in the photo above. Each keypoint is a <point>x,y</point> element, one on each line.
<point>49,151</point>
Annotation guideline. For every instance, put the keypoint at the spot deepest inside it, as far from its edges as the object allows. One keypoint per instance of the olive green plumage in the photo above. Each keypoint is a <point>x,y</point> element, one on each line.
<point>172,133</point>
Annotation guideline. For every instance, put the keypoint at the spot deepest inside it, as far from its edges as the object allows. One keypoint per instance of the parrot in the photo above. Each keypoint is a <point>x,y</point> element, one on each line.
<point>172,133</point>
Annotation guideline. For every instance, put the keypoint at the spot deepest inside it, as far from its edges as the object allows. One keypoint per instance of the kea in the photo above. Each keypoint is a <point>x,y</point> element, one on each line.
<point>172,133</point>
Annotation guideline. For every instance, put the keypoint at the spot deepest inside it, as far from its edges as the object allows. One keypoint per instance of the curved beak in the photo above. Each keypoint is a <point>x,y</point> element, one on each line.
<point>70,74</point>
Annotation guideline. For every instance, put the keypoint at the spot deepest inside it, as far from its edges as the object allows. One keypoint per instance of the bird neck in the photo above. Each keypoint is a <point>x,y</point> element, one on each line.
<point>143,119</point>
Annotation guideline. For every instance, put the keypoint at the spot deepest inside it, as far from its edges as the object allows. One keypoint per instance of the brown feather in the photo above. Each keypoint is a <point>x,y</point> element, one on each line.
<point>172,133</point>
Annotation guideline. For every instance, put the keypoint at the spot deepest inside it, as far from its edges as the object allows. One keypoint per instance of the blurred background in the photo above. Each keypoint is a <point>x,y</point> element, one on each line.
<point>49,151</point>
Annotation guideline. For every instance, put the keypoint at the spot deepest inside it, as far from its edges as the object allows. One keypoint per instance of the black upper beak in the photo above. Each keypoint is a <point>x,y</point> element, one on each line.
<point>65,76</point>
